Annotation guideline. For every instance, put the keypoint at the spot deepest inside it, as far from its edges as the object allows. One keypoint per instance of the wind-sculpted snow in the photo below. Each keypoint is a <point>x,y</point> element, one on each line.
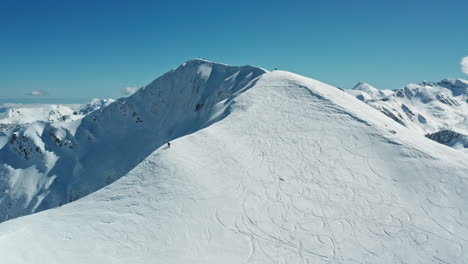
<point>72,161</point>
<point>296,172</point>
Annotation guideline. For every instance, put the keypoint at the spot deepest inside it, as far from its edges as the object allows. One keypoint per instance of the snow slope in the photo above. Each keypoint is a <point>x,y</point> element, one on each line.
<point>296,171</point>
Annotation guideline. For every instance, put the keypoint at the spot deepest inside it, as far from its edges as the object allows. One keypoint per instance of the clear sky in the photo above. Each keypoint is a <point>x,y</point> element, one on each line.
<point>84,49</point>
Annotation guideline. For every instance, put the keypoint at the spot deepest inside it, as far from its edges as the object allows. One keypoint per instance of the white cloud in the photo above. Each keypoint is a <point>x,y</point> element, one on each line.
<point>464,65</point>
<point>129,90</point>
<point>37,93</point>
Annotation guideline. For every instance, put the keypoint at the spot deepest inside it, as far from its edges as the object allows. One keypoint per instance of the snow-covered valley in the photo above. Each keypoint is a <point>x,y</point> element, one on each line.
<point>264,167</point>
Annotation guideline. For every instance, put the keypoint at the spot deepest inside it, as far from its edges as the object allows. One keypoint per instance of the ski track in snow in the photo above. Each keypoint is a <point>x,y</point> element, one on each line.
<point>287,177</point>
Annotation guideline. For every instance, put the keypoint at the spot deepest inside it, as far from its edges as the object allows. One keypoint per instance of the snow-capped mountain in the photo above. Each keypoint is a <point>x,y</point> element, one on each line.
<point>20,114</point>
<point>264,167</point>
<point>366,92</point>
<point>27,114</point>
<point>430,108</point>
<point>13,116</point>
<point>92,106</point>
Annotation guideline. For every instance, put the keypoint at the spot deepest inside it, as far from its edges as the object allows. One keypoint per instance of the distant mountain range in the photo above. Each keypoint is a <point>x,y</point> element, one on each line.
<point>438,110</point>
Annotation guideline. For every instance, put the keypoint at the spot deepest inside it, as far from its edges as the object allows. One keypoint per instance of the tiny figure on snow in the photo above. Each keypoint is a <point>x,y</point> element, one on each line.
<point>168,144</point>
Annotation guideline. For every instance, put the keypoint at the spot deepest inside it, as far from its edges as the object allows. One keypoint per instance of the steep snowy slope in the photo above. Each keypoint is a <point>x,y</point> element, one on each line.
<point>45,165</point>
<point>296,172</point>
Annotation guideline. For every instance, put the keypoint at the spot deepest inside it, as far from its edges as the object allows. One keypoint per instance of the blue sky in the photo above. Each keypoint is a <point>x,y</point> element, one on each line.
<point>77,50</point>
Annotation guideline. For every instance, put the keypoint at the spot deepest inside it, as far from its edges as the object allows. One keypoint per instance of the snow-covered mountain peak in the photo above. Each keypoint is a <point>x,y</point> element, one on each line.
<point>456,86</point>
<point>197,62</point>
<point>204,78</point>
<point>459,83</point>
<point>366,92</point>
<point>94,105</point>
<point>202,67</point>
<point>445,91</point>
<point>365,87</point>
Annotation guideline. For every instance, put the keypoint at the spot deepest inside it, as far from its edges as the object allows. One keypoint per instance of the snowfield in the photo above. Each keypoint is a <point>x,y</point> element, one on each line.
<point>264,167</point>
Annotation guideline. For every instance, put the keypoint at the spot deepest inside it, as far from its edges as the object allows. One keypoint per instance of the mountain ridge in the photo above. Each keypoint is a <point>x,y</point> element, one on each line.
<point>296,172</point>
<point>69,163</point>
